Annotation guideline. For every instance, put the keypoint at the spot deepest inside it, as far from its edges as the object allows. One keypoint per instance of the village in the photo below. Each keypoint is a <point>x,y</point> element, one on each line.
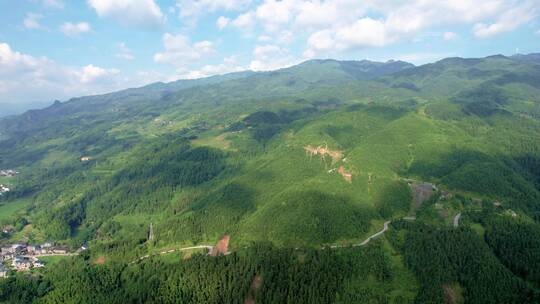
<point>4,189</point>
<point>23,257</point>
<point>8,173</point>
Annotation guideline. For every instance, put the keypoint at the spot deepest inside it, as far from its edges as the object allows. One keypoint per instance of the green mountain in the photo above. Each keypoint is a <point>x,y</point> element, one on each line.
<point>286,162</point>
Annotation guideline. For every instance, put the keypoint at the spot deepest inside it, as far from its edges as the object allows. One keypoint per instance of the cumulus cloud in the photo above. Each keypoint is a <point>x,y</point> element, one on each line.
<point>422,58</point>
<point>29,78</point>
<point>228,65</point>
<point>180,52</point>
<point>337,25</point>
<point>508,21</point>
<point>449,36</point>
<point>31,21</point>
<point>244,21</point>
<point>222,22</point>
<point>74,29</point>
<point>365,32</point>
<point>124,52</point>
<point>144,14</point>
<point>274,14</point>
<point>190,8</point>
<point>271,57</point>
<point>93,74</point>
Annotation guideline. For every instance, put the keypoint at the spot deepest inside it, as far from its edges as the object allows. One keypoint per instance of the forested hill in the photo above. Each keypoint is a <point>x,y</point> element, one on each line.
<point>285,163</point>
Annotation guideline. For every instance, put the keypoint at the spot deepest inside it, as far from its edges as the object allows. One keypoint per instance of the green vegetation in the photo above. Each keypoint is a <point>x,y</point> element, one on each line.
<point>261,273</point>
<point>442,257</point>
<point>316,155</point>
<point>9,210</point>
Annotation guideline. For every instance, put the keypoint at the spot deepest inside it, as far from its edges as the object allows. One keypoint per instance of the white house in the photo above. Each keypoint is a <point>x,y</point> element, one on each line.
<point>3,271</point>
<point>21,263</point>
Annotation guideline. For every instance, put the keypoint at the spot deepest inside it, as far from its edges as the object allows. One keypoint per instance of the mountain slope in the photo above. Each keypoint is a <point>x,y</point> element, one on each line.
<point>257,127</point>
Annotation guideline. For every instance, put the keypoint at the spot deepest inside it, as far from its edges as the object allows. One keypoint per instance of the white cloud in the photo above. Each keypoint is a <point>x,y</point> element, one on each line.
<point>422,58</point>
<point>365,32</point>
<point>28,78</point>
<point>537,32</point>
<point>321,40</point>
<point>338,25</point>
<point>271,57</point>
<point>275,14</point>
<point>508,21</point>
<point>53,3</point>
<point>264,38</point>
<point>31,21</point>
<point>181,53</point>
<point>74,29</point>
<point>222,22</point>
<point>449,36</point>
<point>92,74</point>
<point>124,52</point>
<point>229,65</point>
<point>190,8</point>
<point>145,14</point>
<point>266,50</point>
<point>244,21</point>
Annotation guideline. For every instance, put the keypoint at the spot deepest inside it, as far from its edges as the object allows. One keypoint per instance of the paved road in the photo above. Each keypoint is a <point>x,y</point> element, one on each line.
<point>456,220</point>
<point>51,254</point>
<point>385,227</point>
<point>366,241</point>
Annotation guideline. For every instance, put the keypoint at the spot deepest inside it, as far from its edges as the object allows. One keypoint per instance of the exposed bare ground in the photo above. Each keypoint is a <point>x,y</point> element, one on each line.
<point>347,176</point>
<point>222,246</point>
<point>450,296</point>
<point>421,193</point>
<point>100,260</point>
<point>336,155</point>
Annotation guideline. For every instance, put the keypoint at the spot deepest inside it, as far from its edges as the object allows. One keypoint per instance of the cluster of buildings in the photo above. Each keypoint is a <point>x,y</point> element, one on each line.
<point>8,173</point>
<point>22,257</point>
<point>4,189</point>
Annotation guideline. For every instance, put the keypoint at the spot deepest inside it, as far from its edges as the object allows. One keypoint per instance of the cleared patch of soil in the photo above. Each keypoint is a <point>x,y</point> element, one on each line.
<point>450,296</point>
<point>422,192</point>
<point>336,155</point>
<point>100,260</point>
<point>347,176</point>
<point>222,246</point>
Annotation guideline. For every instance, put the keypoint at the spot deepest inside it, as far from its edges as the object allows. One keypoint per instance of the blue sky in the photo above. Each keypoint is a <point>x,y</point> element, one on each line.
<point>57,49</point>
